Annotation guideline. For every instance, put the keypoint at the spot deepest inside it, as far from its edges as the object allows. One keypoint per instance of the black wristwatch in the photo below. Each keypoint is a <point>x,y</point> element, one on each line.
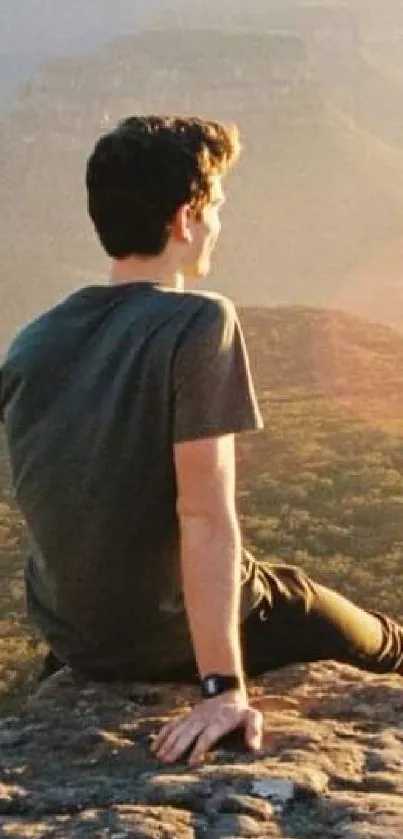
<point>214,684</point>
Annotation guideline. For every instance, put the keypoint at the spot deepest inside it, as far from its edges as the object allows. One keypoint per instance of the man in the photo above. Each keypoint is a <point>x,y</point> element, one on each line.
<point>120,407</point>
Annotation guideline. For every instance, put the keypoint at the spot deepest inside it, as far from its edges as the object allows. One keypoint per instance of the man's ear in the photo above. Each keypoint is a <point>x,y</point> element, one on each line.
<point>181,225</point>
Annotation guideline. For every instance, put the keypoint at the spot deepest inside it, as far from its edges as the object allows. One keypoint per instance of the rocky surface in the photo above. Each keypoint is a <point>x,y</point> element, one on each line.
<point>76,764</point>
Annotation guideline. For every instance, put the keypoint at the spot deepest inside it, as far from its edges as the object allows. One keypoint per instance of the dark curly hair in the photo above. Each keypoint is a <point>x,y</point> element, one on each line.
<point>140,173</point>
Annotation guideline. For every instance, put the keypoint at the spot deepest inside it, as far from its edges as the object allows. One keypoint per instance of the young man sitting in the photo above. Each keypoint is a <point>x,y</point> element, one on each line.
<point>121,405</point>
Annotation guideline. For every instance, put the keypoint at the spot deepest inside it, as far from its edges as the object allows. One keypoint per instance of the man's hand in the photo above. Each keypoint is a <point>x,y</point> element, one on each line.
<point>210,720</point>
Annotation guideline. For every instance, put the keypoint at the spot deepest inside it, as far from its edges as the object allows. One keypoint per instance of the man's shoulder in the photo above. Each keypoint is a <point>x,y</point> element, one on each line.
<point>213,298</point>
<point>32,330</point>
<point>211,304</point>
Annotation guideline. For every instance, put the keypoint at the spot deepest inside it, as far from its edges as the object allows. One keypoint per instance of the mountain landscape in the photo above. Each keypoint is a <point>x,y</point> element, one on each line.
<point>311,252</point>
<point>315,207</point>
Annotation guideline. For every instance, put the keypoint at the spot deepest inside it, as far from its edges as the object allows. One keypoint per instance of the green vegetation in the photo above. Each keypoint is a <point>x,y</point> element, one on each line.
<point>20,650</point>
<point>321,486</point>
<point>329,497</point>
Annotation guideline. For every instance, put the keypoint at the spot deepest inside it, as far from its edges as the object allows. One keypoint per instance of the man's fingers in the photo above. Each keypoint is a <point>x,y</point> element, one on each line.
<point>210,735</point>
<point>178,747</point>
<point>169,740</point>
<point>204,727</point>
<point>163,734</point>
<point>179,740</point>
<point>254,729</point>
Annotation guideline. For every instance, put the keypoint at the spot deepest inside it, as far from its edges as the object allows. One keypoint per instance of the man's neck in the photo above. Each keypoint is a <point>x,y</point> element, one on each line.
<point>137,270</point>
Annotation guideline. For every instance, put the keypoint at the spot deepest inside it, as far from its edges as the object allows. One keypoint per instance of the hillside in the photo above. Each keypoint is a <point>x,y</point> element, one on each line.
<point>317,198</point>
<point>321,486</point>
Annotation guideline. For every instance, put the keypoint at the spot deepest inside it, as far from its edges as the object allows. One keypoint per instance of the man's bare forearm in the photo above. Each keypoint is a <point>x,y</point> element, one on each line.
<point>211,573</point>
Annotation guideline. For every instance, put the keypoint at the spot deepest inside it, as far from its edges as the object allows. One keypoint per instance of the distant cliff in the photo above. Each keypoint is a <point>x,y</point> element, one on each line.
<point>315,206</point>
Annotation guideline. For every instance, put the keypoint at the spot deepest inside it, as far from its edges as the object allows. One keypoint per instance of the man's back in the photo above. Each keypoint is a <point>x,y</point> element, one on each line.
<point>121,408</point>
<point>88,393</point>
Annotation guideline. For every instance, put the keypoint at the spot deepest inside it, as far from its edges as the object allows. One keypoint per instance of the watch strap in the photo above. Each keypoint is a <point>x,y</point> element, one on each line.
<point>215,684</point>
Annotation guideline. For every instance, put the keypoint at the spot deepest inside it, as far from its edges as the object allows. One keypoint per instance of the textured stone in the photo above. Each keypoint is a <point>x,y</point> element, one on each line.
<point>229,826</point>
<point>76,763</point>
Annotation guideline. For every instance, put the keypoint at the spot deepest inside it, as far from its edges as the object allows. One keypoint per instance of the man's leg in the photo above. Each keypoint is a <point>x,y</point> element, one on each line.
<point>51,664</point>
<point>300,620</point>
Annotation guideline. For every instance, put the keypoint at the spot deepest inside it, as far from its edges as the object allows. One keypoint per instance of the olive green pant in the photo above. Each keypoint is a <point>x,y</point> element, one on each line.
<point>298,620</point>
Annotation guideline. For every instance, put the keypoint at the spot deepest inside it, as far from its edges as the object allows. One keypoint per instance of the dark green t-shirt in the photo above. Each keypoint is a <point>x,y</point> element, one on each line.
<point>94,394</point>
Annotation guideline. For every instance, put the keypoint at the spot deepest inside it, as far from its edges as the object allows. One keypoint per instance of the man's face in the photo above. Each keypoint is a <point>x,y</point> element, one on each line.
<point>205,232</point>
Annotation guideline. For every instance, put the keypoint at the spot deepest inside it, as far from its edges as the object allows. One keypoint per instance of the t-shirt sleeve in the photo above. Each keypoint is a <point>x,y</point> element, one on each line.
<point>213,388</point>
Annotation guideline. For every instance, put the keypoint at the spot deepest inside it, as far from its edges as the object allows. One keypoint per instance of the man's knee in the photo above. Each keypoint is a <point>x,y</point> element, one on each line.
<point>289,584</point>
<point>51,664</point>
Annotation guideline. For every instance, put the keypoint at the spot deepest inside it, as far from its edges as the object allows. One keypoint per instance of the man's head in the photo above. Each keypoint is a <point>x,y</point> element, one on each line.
<point>156,183</point>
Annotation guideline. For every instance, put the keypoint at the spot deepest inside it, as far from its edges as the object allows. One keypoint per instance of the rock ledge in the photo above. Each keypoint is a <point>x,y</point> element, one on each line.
<point>76,764</point>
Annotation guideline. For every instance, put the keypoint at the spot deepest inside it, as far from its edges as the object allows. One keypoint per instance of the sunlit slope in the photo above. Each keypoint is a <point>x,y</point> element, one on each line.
<point>327,353</point>
<point>322,485</point>
<point>319,196</point>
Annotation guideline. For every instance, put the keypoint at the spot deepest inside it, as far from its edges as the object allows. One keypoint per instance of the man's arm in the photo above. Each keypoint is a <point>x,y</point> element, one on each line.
<point>210,551</point>
<point>211,572</point>
<point>213,399</point>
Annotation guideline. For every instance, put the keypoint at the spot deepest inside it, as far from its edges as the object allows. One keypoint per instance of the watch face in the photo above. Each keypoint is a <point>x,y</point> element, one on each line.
<point>210,686</point>
<point>215,684</point>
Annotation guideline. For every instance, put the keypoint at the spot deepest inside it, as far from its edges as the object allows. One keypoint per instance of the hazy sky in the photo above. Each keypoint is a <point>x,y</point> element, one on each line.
<point>33,30</point>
